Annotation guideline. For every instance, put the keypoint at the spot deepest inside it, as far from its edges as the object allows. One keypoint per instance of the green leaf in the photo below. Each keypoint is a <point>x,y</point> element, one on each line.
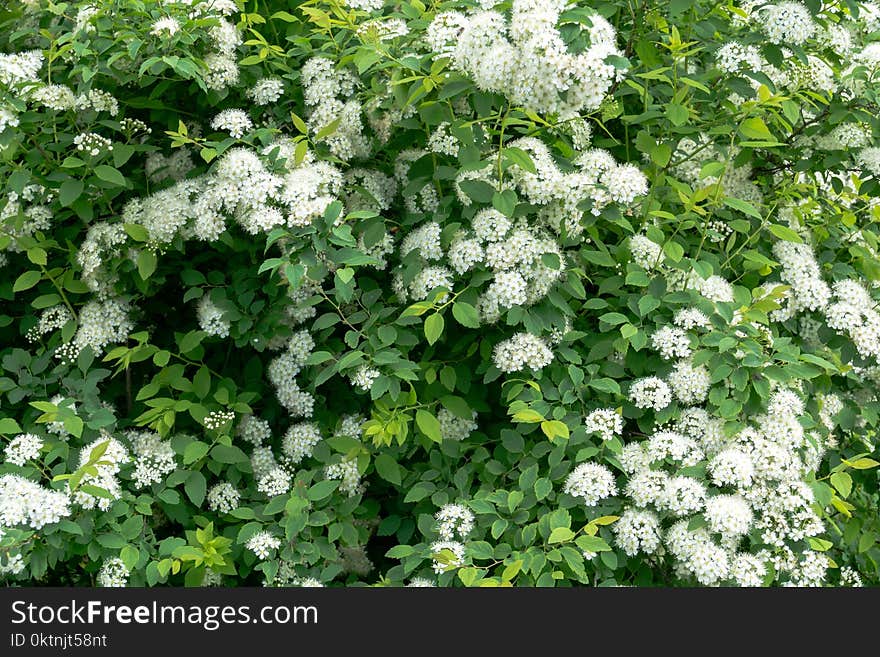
<point>519,157</point>
<point>543,487</point>
<point>673,250</point>
<point>862,463</point>
<point>400,551</point>
<point>70,191</point>
<point>528,416</point>
<point>194,451</point>
<point>560,535</point>
<point>228,454</point>
<point>465,314</point>
<point>111,541</point>
<point>429,425</point>
<point>146,263</point>
<point>195,486</point>
<point>328,129</point>
<point>592,544</point>
<point>785,233</point>
<point>842,482</point>
<point>108,174</point>
<point>505,202</point>
<point>26,281</point>
<point>191,340</point>
<point>37,255</point>
<point>678,114</point>
<point>742,206</point>
<point>554,429</point>
<point>322,489</point>
<point>755,128</point>
<point>9,426</point>
<point>479,191</point>
<point>137,232</point>
<point>202,382</point>
<point>388,468</point>
<point>434,327</point>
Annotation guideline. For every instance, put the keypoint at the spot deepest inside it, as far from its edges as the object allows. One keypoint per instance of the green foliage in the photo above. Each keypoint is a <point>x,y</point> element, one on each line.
<point>400,376</point>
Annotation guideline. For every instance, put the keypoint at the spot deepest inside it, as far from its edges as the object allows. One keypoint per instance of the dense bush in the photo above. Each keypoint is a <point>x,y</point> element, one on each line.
<point>465,293</point>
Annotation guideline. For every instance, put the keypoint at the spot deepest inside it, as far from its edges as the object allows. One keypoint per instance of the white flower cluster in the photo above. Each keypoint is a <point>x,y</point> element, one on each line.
<point>23,448</point>
<point>24,502</point>
<point>299,441</point>
<point>19,67</point>
<point>453,427</point>
<point>329,94</point>
<point>266,91</point>
<point>242,187</point>
<point>262,543</point>
<point>102,323</point>
<point>254,430</point>
<point>591,482</point>
<point>650,392</point>
<point>103,242</point>
<point>154,457</point>
<point>854,313</point>
<point>8,118</point>
<point>786,22</point>
<point>447,562</point>
<point>421,582</point>
<point>99,101</point>
<point>363,377</point>
<point>217,419</point>
<point>165,26</point>
<point>113,574</point>
<point>526,58</point>
<point>348,474</point>
<point>454,519</point>
<point>56,97</point>
<point>637,531</point>
<point>800,271</point>
<point>282,373</point>
<point>690,384</point>
<point>108,464</point>
<point>211,319</point>
<point>671,342</point>
<point>272,481</point>
<point>604,421</point>
<point>234,121</point>
<point>757,483</point>
<point>645,252</point>
<point>223,497</point>
<point>521,351</point>
<point>50,319</point>
<point>92,144</point>
<point>221,62</point>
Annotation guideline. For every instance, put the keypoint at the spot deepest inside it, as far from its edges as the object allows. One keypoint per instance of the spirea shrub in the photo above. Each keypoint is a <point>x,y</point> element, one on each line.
<point>463,293</point>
